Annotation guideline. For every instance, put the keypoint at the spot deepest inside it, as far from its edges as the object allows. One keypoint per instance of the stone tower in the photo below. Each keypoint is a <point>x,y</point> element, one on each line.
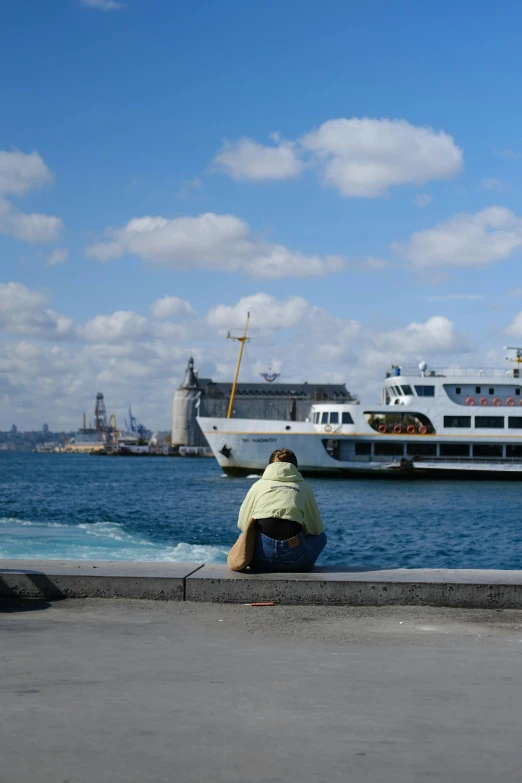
<point>185,428</point>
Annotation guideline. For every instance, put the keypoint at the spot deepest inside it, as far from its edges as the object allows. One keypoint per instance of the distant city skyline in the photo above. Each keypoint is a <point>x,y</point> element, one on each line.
<point>348,173</point>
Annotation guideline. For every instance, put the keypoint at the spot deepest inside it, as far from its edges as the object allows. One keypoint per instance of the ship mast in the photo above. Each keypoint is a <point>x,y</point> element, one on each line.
<point>517,358</point>
<point>244,339</point>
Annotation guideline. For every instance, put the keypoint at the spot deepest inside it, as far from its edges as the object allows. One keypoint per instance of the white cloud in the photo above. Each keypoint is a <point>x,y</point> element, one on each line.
<point>105,5</point>
<point>32,228</point>
<point>422,199</point>
<point>15,297</point>
<point>58,256</point>
<point>360,157</point>
<point>515,327</point>
<point>19,172</point>
<point>466,239</point>
<point>246,159</point>
<point>507,153</point>
<point>365,157</point>
<point>25,312</point>
<point>120,325</point>
<point>436,335</point>
<point>514,292</point>
<point>124,326</point>
<point>210,241</point>
<point>171,307</point>
<point>491,184</point>
<point>267,313</point>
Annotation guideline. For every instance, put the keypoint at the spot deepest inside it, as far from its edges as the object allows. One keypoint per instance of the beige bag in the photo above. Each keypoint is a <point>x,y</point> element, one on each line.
<point>241,554</point>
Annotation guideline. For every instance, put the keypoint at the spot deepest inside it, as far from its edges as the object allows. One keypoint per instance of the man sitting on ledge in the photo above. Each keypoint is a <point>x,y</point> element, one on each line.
<point>289,529</point>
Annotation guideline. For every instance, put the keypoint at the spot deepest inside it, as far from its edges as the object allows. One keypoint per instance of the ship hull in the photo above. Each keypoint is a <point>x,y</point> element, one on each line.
<point>243,448</point>
<point>411,474</point>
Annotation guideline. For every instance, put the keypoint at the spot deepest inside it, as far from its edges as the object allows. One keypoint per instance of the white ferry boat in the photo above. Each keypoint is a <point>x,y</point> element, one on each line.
<point>430,422</point>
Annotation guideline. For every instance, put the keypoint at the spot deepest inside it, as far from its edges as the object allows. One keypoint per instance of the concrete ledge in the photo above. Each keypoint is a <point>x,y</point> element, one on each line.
<point>85,579</point>
<point>54,579</point>
<point>407,587</point>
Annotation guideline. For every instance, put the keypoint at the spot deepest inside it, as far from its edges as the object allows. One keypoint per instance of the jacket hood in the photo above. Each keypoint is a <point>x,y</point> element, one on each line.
<point>282,471</point>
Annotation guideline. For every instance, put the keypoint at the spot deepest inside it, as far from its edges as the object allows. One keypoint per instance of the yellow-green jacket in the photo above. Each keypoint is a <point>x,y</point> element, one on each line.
<point>282,493</point>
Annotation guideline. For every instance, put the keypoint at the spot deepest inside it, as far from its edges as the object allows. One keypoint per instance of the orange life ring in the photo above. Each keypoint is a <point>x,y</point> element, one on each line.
<point>397,428</point>
<point>483,402</point>
<point>381,428</point>
<point>470,401</point>
<point>422,429</point>
<point>496,402</point>
<point>510,401</point>
<point>410,429</point>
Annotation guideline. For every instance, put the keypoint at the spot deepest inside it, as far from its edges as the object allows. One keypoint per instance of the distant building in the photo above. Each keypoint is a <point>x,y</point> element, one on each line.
<point>284,401</point>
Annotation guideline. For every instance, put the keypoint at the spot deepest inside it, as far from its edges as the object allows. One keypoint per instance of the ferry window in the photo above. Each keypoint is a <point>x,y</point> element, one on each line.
<point>515,422</point>
<point>388,449</point>
<point>454,450</point>
<point>407,389</point>
<point>477,389</point>
<point>425,391</point>
<point>333,447</point>
<point>399,391</point>
<point>334,417</point>
<point>493,422</point>
<point>513,452</point>
<point>517,391</point>
<point>324,419</point>
<point>347,418</point>
<point>363,449</point>
<point>457,421</point>
<point>421,449</point>
<point>491,390</point>
<point>457,390</point>
<point>487,450</point>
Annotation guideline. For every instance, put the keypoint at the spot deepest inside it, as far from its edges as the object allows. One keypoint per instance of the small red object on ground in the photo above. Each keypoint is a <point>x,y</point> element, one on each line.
<point>264,603</point>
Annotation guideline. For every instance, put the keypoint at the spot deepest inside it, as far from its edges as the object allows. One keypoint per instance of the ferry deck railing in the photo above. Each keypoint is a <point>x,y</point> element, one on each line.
<point>456,372</point>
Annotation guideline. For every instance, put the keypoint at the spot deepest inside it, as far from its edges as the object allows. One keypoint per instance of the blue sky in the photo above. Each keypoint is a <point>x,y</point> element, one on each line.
<point>360,164</point>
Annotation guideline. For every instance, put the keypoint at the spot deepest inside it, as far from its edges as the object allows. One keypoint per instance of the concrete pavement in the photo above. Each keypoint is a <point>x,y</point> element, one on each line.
<point>123,691</point>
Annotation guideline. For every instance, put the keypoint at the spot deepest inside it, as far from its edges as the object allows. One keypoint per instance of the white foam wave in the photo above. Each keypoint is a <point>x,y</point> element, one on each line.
<point>22,538</point>
<point>111,530</point>
<point>29,523</point>
<point>194,553</point>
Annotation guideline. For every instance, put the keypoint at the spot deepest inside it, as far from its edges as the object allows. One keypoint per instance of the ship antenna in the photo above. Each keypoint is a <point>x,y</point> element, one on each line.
<point>517,358</point>
<point>243,339</point>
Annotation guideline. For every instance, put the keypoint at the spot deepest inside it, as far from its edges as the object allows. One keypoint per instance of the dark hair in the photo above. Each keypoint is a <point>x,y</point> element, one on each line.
<point>283,455</point>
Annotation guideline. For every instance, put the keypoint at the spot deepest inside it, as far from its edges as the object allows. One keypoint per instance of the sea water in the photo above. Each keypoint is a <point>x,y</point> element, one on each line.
<point>181,509</point>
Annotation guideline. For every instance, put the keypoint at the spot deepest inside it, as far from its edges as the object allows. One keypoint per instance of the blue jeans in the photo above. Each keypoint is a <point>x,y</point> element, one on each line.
<point>272,555</point>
